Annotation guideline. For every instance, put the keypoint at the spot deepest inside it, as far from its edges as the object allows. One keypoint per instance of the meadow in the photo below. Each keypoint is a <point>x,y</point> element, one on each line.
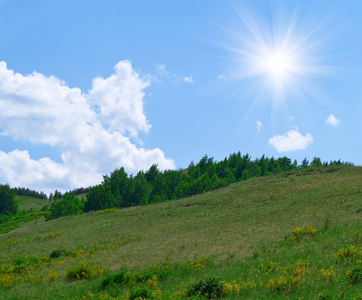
<point>295,235</point>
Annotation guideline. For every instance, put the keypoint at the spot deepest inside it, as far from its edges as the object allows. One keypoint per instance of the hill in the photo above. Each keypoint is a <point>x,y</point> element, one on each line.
<point>293,235</point>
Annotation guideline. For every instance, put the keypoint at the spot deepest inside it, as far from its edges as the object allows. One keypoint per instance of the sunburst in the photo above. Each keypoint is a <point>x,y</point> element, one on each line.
<point>279,53</point>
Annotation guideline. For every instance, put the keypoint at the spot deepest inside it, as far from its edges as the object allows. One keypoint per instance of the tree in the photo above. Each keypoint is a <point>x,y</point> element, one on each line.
<point>304,164</point>
<point>316,162</point>
<point>68,205</point>
<point>142,190</point>
<point>152,173</point>
<point>246,174</point>
<point>99,198</point>
<point>8,204</point>
<point>120,186</point>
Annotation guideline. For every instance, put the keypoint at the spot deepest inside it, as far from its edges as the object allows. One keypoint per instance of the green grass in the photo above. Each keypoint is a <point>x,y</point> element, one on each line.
<point>29,211</point>
<point>243,232</point>
<point>30,204</point>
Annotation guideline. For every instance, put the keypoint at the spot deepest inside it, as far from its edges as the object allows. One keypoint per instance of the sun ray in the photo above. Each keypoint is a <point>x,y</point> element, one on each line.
<point>278,52</point>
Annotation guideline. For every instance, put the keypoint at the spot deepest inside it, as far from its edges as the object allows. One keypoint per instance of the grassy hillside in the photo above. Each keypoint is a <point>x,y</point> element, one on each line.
<point>30,204</point>
<point>253,236</point>
<point>29,211</point>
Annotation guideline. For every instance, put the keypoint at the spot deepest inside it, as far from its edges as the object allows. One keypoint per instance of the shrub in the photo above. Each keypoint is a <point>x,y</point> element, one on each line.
<point>102,296</point>
<point>6,280</point>
<point>83,270</point>
<point>200,263</point>
<point>348,253</point>
<point>57,253</point>
<point>355,275</point>
<point>121,278</point>
<point>283,283</point>
<point>107,210</point>
<point>22,264</point>
<point>55,235</point>
<point>140,293</point>
<point>298,233</point>
<point>298,269</point>
<point>328,274</point>
<point>236,288</point>
<point>268,267</point>
<point>210,288</point>
<point>322,296</point>
<point>52,275</point>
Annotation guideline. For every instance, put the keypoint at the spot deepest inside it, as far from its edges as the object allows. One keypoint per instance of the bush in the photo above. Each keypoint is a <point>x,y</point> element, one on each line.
<point>83,271</point>
<point>140,293</point>
<point>210,288</point>
<point>298,233</point>
<point>348,253</point>
<point>355,275</point>
<point>322,296</point>
<point>121,278</point>
<point>57,253</point>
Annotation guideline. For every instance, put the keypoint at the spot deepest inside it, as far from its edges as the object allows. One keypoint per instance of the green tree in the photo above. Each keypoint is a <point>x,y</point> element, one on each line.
<point>316,162</point>
<point>246,174</point>
<point>120,186</point>
<point>99,198</point>
<point>142,190</point>
<point>8,204</point>
<point>68,205</point>
<point>152,173</point>
<point>304,164</point>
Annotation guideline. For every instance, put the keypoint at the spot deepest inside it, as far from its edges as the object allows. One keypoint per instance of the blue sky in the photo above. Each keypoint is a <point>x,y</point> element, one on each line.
<point>90,86</point>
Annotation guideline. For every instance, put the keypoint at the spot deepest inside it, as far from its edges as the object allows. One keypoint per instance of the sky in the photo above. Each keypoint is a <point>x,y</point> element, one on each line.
<point>89,86</point>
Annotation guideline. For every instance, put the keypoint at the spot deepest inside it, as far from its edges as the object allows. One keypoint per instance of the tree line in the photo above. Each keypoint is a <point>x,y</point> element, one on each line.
<point>120,190</point>
<point>20,191</point>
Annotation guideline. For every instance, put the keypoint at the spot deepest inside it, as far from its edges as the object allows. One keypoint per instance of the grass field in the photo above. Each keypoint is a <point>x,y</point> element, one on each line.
<point>296,235</point>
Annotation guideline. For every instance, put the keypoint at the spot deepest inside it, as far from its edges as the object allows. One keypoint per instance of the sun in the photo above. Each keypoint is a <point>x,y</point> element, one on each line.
<point>277,65</point>
<point>277,54</point>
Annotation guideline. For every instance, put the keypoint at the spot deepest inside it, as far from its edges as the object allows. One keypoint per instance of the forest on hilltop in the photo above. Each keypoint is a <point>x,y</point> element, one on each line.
<point>120,190</point>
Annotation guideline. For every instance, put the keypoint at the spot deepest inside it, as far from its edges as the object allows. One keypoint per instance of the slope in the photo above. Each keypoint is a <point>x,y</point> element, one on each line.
<point>230,233</point>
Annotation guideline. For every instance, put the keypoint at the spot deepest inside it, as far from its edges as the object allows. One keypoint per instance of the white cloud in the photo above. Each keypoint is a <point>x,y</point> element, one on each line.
<point>88,129</point>
<point>259,125</point>
<point>17,167</point>
<point>221,77</point>
<point>120,100</point>
<point>163,76</point>
<point>188,79</point>
<point>161,70</point>
<point>291,141</point>
<point>333,121</point>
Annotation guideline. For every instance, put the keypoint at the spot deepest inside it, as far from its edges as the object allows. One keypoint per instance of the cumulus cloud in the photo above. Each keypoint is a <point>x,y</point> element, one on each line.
<point>17,166</point>
<point>292,140</point>
<point>259,125</point>
<point>90,130</point>
<point>189,79</point>
<point>333,121</point>
<point>120,100</point>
